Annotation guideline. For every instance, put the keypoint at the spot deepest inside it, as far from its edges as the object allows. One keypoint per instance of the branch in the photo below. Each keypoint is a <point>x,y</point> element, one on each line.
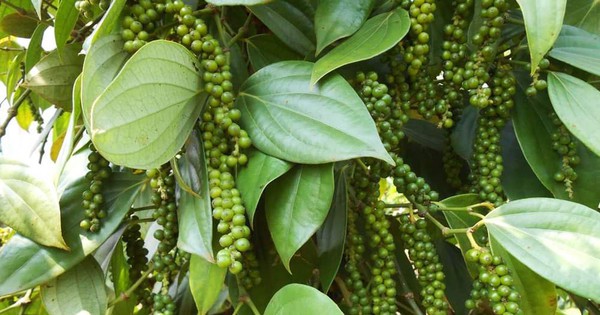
<point>12,111</point>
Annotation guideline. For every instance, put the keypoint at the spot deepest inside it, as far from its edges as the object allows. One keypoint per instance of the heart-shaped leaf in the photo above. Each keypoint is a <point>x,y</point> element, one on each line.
<point>148,111</point>
<point>102,63</point>
<point>206,281</point>
<point>296,206</point>
<point>53,76</point>
<point>195,210</point>
<point>25,264</point>
<point>289,119</point>
<point>543,20</point>
<point>578,48</point>
<point>577,104</point>
<point>557,239</point>
<point>80,290</point>
<point>377,35</point>
<point>252,180</point>
<point>299,299</point>
<point>29,203</point>
<point>337,19</point>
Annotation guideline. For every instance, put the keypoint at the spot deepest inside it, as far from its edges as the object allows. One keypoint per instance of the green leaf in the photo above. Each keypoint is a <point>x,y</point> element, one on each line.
<point>577,104</point>
<point>557,239</point>
<point>195,211</point>
<point>578,48</point>
<point>458,280</point>
<point>462,220</point>
<point>291,21</point>
<point>159,94</point>
<point>19,25</point>
<point>538,295</point>
<point>299,299</point>
<point>66,18</point>
<point>25,264</point>
<point>53,76</point>
<point>543,20</point>
<point>102,63</point>
<point>14,76</point>
<point>29,203</point>
<point>110,22</point>
<point>34,49</point>
<point>337,19</point>
<point>10,49</point>
<point>518,179</point>
<point>584,14</point>
<point>265,49</point>
<point>252,180</point>
<point>119,268</point>
<point>238,2</point>
<point>377,35</point>
<point>206,281</point>
<point>80,290</point>
<point>332,235</point>
<point>66,149</point>
<point>296,206</point>
<point>288,119</point>
<point>24,116</point>
<point>533,128</point>
<point>425,133</point>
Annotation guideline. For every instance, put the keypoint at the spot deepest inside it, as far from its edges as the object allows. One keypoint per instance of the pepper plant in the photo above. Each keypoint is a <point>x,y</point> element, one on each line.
<point>302,157</point>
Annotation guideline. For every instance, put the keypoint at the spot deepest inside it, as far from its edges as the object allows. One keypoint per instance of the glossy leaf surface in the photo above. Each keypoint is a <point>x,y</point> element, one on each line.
<point>253,179</point>
<point>29,203</point>
<point>557,239</point>
<point>297,299</point>
<point>291,21</point>
<point>195,210</point>
<point>577,104</point>
<point>335,19</point>
<point>289,119</point>
<point>376,36</point>
<point>296,206</point>
<point>543,21</point>
<point>538,295</point>
<point>206,281</point>
<point>157,97</point>
<point>578,48</point>
<point>24,264</point>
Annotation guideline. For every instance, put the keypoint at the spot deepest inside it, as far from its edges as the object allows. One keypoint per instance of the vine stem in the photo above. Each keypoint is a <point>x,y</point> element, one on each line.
<point>398,205</point>
<point>25,299</point>
<point>125,295</point>
<point>143,208</point>
<point>242,31</point>
<point>13,110</point>
<point>515,21</point>
<point>247,300</point>
<point>182,184</point>
<point>345,292</point>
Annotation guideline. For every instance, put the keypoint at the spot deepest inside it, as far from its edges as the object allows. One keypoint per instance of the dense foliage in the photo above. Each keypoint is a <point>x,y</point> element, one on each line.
<point>302,157</point>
